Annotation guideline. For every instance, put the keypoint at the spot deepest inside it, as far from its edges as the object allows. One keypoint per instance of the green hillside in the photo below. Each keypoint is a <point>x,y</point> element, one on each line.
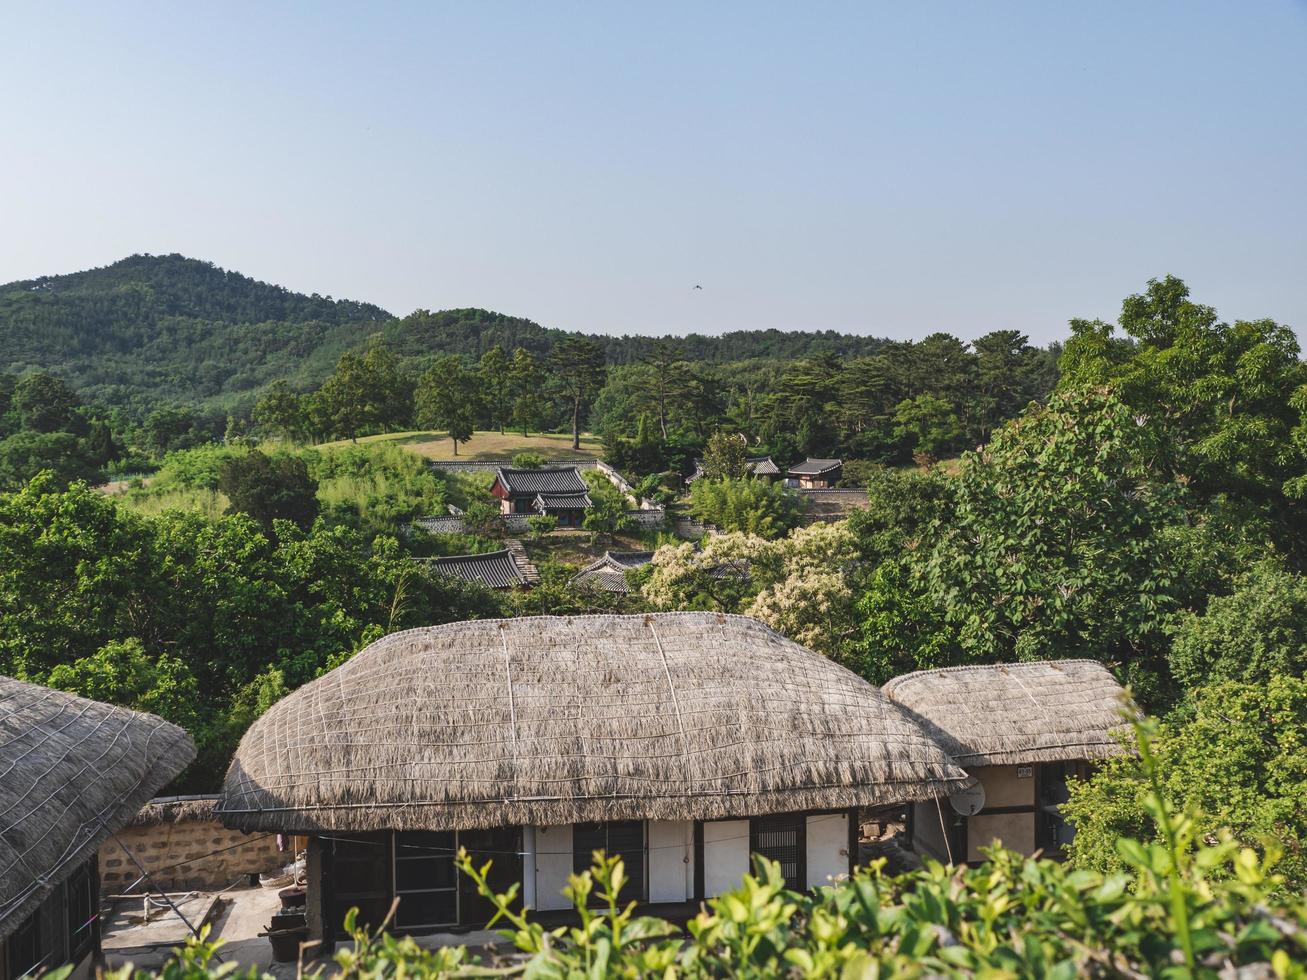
<point>167,328</point>
<point>153,329</point>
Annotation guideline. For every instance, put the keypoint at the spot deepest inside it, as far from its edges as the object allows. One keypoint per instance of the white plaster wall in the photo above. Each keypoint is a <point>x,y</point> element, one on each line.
<point>828,847</point>
<point>553,846</point>
<point>725,855</point>
<point>529,867</point>
<point>671,860</point>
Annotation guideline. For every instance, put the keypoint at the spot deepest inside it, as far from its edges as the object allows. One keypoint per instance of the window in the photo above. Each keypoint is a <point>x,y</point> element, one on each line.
<point>617,838</point>
<point>426,881</point>
<point>81,911</point>
<point>24,946</point>
<point>782,839</point>
<point>1052,832</point>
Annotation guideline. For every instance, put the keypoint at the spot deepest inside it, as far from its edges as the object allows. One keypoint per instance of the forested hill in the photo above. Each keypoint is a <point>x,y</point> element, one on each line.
<point>473,332</point>
<point>165,327</point>
<point>156,329</point>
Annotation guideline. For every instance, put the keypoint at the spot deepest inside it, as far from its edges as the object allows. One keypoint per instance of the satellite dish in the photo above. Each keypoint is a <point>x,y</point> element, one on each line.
<point>968,802</point>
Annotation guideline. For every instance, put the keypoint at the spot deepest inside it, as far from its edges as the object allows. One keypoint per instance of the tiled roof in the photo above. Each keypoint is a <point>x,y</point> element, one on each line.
<point>609,572</point>
<point>763,466</point>
<point>815,467</point>
<point>561,480</point>
<point>562,501</point>
<point>495,570</point>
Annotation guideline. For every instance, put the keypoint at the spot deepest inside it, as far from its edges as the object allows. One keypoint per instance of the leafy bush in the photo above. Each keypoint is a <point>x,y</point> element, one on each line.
<point>1234,756</point>
<point>528,461</point>
<point>747,505</point>
<point>1258,631</point>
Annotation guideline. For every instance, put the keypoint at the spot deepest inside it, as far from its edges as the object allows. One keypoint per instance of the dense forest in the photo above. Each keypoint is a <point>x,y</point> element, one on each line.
<point>149,331</point>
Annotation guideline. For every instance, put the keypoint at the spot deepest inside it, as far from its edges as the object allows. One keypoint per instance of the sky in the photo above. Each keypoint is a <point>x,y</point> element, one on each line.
<point>879,168</point>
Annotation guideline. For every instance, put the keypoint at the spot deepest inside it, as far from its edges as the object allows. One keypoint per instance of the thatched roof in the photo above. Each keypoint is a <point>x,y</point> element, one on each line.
<point>175,809</point>
<point>1013,714</point>
<point>608,573</point>
<point>72,771</point>
<point>550,720</point>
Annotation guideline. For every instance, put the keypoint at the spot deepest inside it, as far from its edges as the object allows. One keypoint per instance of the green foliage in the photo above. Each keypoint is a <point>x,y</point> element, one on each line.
<point>269,488</point>
<point>280,411</point>
<point>1233,758</point>
<point>1251,635</point>
<point>1226,400</point>
<point>928,424</point>
<point>578,366</point>
<point>448,397</point>
<point>221,597</point>
<point>610,510</point>
<point>377,487</point>
<point>121,672</point>
<point>526,380</point>
<point>528,461</point>
<point>747,505</point>
<point>367,393</point>
<point>61,454</point>
<point>725,457</point>
<point>43,403</point>
<point>541,524</point>
<point>494,376</point>
<point>1051,547</point>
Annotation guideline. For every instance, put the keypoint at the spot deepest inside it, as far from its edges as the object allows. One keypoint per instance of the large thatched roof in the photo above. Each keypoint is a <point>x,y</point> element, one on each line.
<point>549,720</point>
<point>72,771</point>
<point>1012,714</point>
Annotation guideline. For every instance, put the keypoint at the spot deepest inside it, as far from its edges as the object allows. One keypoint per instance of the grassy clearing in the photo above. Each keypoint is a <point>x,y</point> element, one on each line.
<point>209,503</point>
<point>485,445</point>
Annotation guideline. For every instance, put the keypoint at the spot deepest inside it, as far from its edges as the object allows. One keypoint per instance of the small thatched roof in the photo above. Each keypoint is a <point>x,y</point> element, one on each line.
<point>1013,714</point>
<point>608,573</point>
<point>72,771</point>
<point>175,809</point>
<point>552,720</point>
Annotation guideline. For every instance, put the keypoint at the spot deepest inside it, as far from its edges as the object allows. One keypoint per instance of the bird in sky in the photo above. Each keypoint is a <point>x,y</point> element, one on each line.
<point>698,287</point>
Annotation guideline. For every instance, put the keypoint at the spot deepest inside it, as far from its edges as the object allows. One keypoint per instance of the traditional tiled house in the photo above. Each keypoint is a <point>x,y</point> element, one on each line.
<point>814,474</point>
<point>554,491</point>
<point>495,569</point>
<point>608,574</point>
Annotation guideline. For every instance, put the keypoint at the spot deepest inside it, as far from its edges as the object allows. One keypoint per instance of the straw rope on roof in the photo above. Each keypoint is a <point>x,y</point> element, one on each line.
<point>609,572</point>
<point>553,720</point>
<point>1013,714</point>
<point>72,771</point>
<point>175,809</point>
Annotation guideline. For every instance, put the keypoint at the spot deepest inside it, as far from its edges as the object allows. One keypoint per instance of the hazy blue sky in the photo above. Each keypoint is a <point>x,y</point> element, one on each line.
<point>882,168</point>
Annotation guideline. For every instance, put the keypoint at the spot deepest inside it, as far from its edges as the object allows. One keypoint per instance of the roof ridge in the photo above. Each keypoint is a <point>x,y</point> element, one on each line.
<point>967,668</point>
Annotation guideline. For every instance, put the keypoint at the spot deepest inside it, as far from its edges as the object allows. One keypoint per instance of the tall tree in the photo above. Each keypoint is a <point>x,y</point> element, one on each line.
<point>668,374</point>
<point>526,378</point>
<point>280,410</point>
<point>495,371</point>
<point>449,397</point>
<point>367,392</point>
<point>45,404</point>
<point>725,457</point>
<point>578,364</point>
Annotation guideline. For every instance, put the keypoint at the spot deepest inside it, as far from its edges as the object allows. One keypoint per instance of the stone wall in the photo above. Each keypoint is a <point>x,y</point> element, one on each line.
<point>180,855</point>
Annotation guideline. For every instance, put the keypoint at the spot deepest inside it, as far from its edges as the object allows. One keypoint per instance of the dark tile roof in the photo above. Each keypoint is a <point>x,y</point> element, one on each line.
<point>562,501</point>
<point>815,467</point>
<point>609,572</point>
<point>496,570</point>
<point>561,480</point>
<point>763,466</point>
